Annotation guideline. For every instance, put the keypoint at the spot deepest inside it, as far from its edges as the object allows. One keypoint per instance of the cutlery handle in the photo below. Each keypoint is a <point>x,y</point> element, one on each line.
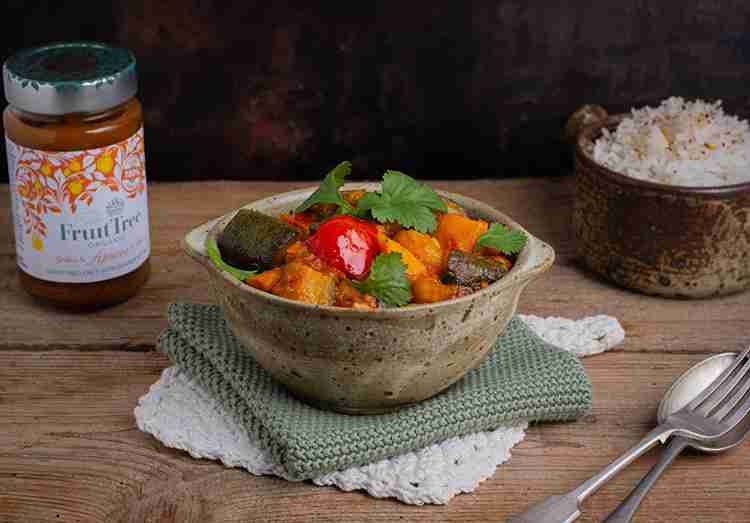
<point>554,509</point>
<point>565,508</point>
<point>627,509</point>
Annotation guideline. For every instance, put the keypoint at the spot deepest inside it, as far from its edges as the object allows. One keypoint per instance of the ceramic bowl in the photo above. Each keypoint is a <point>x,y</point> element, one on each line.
<point>363,362</point>
<point>666,240</point>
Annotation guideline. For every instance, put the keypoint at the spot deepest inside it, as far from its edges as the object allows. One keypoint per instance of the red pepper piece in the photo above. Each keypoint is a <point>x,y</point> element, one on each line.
<point>346,243</point>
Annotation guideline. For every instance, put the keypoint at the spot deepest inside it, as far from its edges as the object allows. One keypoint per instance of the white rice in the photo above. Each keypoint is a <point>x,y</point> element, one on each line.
<point>686,143</point>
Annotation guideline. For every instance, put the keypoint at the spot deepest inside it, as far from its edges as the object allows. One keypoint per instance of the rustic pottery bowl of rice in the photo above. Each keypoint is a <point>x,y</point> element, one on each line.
<point>662,201</point>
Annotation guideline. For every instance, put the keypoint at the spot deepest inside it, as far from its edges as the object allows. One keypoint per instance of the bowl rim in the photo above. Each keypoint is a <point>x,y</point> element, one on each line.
<point>537,255</point>
<point>587,133</point>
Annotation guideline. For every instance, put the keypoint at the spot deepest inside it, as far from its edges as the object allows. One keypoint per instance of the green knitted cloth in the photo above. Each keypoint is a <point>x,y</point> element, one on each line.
<point>523,378</point>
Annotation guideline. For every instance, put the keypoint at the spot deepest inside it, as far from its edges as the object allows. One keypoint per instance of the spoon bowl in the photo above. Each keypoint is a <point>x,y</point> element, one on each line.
<point>713,405</point>
<point>684,390</point>
<point>687,387</point>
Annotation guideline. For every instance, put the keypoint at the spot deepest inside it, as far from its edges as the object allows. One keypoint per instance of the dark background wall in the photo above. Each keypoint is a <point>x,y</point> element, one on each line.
<point>437,88</point>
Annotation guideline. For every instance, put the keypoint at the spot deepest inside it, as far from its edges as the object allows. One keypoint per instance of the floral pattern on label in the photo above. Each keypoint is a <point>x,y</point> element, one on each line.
<point>75,208</point>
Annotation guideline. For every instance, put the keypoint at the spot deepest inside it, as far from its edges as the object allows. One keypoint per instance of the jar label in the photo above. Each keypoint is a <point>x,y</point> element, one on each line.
<point>80,216</point>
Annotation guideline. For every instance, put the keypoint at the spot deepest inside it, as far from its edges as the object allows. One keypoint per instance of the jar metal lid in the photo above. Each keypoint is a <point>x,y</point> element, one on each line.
<point>70,77</point>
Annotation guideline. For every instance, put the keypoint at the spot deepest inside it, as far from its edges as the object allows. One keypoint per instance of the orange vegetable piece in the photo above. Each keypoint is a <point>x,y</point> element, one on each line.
<point>352,197</point>
<point>414,267</point>
<point>431,290</point>
<point>425,247</point>
<point>301,282</point>
<point>348,296</point>
<point>301,220</point>
<point>391,228</point>
<point>265,280</point>
<point>456,231</point>
<point>497,256</point>
<point>453,207</point>
<point>297,250</point>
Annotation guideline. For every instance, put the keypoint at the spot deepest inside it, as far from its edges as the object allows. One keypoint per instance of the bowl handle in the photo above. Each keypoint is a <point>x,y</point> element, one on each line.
<point>541,258</point>
<point>194,242</point>
<point>583,117</point>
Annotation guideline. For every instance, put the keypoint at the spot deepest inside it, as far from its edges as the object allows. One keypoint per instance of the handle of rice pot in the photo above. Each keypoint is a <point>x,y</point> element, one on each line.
<point>584,116</point>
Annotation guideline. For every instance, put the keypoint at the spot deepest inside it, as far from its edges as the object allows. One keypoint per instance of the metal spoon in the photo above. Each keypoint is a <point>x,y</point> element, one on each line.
<point>682,392</point>
<point>715,412</point>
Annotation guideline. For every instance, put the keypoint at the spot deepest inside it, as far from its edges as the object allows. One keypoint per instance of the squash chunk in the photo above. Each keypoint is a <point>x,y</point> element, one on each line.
<point>459,232</point>
<point>453,207</point>
<point>425,247</point>
<point>301,220</point>
<point>265,280</point>
<point>297,250</point>
<point>431,290</point>
<point>348,296</point>
<point>414,267</point>
<point>353,197</point>
<point>303,283</point>
<point>497,256</point>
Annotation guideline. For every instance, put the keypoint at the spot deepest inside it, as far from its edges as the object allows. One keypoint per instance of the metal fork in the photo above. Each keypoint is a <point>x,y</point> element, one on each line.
<point>713,413</point>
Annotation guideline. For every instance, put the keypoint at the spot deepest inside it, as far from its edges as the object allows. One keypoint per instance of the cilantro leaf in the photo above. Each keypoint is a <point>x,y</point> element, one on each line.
<point>328,192</point>
<point>503,239</point>
<point>387,280</point>
<point>212,250</point>
<point>404,200</point>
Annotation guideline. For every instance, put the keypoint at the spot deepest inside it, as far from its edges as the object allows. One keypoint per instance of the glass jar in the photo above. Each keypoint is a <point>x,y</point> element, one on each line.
<point>74,138</point>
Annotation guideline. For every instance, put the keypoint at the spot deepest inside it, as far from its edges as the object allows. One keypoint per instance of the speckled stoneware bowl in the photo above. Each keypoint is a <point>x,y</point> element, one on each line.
<point>666,240</point>
<point>363,362</point>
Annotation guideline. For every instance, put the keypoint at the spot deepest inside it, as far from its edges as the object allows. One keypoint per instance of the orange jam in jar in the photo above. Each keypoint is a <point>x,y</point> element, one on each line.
<point>74,138</point>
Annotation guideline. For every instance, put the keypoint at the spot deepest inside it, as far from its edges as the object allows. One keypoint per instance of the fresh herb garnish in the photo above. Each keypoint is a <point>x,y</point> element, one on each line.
<point>215,256</point>
<point>328,192</point>
<point>387,280</point>
<point>503,239</point>
<point>404,200</point>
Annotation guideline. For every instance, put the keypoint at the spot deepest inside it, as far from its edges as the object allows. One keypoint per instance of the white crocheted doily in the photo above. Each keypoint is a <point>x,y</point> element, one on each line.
<point>180,414</point>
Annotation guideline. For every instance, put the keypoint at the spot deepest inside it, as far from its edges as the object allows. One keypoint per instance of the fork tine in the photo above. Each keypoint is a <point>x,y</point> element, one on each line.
<point>708,391</point>
<point>738,395</point>
<point>739,414</point>
<point>725,391</point>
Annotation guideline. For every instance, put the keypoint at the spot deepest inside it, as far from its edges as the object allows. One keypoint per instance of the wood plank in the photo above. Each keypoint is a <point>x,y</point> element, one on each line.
<point>69,451</point>
<point>543,205</point>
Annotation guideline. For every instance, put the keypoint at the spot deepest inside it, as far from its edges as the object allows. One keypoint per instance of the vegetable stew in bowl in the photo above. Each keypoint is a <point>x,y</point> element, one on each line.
<point>367,355</point>
<point>400,245</point>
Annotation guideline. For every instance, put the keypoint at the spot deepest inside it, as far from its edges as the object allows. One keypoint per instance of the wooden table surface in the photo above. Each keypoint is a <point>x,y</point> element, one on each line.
<point>70,451</point>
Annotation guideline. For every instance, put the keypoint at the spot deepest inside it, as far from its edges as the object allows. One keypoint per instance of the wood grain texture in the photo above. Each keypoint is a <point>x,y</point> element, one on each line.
<point>542,205</point>
<point>69,449</point>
